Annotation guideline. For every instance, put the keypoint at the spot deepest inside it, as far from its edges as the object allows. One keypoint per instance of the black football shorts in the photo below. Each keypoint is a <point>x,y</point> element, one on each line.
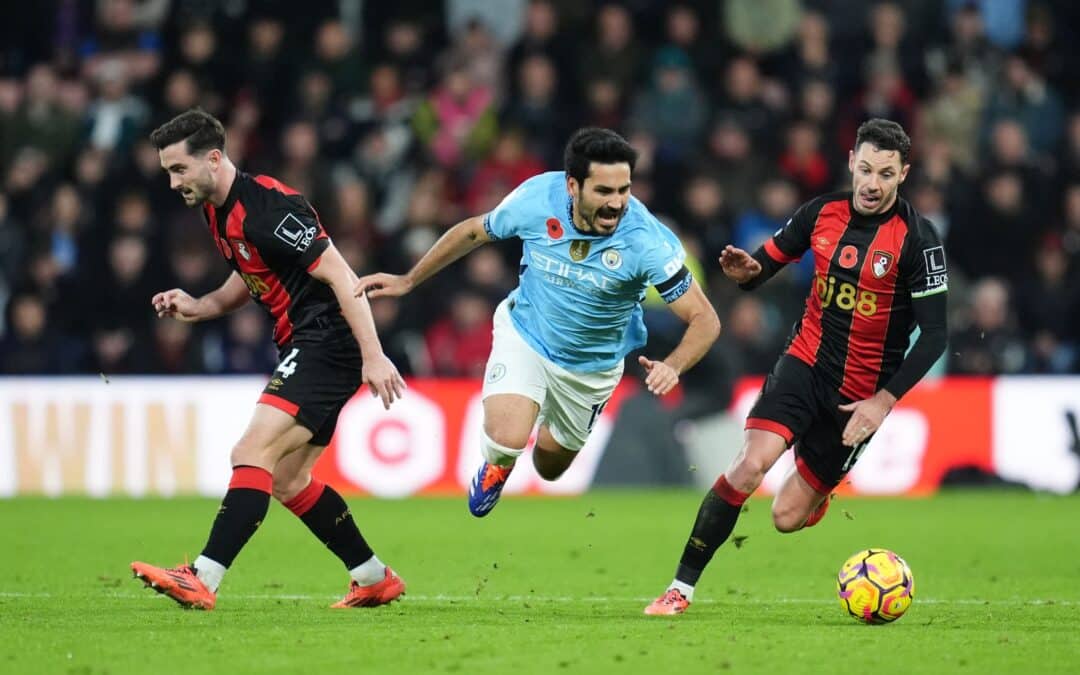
<point>317,375</point>
<point>797,403</point>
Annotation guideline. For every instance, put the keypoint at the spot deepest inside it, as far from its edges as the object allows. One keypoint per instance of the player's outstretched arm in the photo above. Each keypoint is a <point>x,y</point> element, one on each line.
<point>379,372</point>
<point>702,329</point>
<point>455,243</point>
<point>177,304</point>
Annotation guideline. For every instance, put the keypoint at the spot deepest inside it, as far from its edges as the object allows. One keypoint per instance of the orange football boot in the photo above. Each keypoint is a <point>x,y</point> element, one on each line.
<point>671,602</point>
<point>380,593</point>
<point>179,583</point>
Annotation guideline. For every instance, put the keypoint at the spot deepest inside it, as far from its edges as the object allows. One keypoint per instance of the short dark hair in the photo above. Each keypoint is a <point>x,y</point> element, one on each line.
<point>884,135</point>
<point>201,130</point>
<point>593,144</point>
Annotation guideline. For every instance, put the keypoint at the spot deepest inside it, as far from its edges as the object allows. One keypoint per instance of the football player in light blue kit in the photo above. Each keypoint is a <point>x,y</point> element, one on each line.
<point>590,251</point>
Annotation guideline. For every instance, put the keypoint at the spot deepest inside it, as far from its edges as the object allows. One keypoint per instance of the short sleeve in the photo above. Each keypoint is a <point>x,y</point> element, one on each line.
<point>925,270</point>
<point>290,233</point>
<point>790,242</point>
<point>665,268</point>
<point>506,219</point>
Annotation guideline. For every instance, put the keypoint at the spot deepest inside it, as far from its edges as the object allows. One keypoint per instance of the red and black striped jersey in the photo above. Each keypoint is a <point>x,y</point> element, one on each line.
<point>868,270</point>
<point>272,237</point>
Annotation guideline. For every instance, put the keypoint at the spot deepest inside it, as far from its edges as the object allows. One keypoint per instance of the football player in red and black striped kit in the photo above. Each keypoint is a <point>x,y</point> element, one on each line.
<point>283,260</point>
<point>879,272</point>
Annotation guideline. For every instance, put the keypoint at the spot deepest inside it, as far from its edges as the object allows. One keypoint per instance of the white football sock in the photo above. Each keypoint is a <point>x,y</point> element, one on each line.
<point>370,572</point>
<point>686,589</point>
<point>210,572</point>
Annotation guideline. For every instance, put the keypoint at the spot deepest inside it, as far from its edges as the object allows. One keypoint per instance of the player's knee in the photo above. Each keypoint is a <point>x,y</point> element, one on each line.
<point>787,518</point>
<point>502,448</point>
<point>748,471</point>
<point>287,486</point>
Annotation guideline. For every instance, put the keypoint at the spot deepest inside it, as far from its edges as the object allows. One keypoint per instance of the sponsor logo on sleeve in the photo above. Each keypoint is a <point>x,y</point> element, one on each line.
<point>294,233</point>
<point>936,271</point>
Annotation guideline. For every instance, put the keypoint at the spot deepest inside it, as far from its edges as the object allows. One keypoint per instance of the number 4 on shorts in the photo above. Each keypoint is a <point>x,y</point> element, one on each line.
<point>288,365</point>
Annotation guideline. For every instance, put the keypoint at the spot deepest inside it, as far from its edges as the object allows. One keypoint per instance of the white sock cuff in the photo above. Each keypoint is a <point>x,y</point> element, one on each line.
<point>371,571</point>
<point>498,454</point>
<point>686,589</point>
<point>210,572</point>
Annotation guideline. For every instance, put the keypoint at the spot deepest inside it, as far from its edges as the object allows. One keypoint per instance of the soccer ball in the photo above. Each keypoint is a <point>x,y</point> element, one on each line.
<point>875,586</point>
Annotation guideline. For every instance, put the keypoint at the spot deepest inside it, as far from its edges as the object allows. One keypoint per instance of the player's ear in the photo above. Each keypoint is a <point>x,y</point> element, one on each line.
<point>904,172</point>
<point>851,161</point>
<point>572,186</point>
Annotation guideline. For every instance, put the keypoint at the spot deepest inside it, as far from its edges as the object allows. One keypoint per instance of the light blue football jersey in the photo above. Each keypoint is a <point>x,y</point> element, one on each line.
<point>578,300</point>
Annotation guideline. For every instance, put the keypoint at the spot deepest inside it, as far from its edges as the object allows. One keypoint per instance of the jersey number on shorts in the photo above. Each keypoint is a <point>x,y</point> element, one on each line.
<point>596,410</point>
<point>288,366</point>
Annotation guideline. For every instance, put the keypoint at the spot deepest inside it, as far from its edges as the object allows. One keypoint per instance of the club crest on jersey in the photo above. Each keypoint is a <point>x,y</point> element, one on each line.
<point>849,257</point>
<point>882,263</point>
<point>611,259</point>
<point>579,250</point>
<point>241,248</point>
<point>554,228</point>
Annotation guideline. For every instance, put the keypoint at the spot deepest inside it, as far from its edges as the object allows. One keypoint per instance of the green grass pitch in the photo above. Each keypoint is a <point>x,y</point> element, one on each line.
<point>546,586</point>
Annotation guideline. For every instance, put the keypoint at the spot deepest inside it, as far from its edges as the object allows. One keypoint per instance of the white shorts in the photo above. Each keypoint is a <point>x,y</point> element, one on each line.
<point>569,402</point>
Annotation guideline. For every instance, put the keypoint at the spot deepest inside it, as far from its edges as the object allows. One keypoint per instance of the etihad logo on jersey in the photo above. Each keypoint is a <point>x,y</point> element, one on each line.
<point>883,261</point>
<point>294,233</point>
<point>564,274</point>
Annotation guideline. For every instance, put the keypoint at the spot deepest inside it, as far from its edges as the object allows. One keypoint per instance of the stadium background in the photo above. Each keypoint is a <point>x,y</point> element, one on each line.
<point>399,119</point>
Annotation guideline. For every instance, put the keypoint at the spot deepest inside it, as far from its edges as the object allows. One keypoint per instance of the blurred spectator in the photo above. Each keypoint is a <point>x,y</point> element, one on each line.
<point>672,109</point>
<point>1050,311</point>
<point>705,214</point>
<point>487,274</point>
<point>810,57</point>
<point>884,94</point>
<point>542,36</point>
<point>245,349</point>
<point>459,343</point>
<point>1071,230</point>
<point>613,54</point>
<point>777,200</point>
<point>509,165</point>
<point>989,344</point>
<point>28,348</point>
<point>504,19</point>
<point>538,111</point>
<point>1026,97</point>
<point>683,30</point>
<point>457,122</point>
<point>736,164</point>
<point>749,341</point>
<point>890,38</point>
<point>604,103</point>
<point>12,251</point>
<point>40,121</point>
<point>116,116</point>
<point>742,102</point>
<point>404,42</point>
<point>803,161</point>
<point>337,57</point>
<point>477,48</point>
<point>120,42</point>
<point>174,349</point>
<point>969,50</point>
<point>1004,19</point>
<point>995,240</point>
<point>952,115</point>
<point>761,26</point>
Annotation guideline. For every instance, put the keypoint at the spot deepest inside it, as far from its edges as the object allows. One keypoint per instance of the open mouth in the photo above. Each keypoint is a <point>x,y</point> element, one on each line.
<point>607,217</point>
<point>869,201</point>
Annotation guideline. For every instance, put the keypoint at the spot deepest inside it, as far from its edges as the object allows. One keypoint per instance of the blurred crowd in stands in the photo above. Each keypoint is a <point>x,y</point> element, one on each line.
<point>397,119</point>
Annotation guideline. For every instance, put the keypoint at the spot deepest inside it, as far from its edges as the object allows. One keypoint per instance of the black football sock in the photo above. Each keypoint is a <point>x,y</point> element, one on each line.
<point>715,521</point>
<point>242,511</point>
<point>328,517</point>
